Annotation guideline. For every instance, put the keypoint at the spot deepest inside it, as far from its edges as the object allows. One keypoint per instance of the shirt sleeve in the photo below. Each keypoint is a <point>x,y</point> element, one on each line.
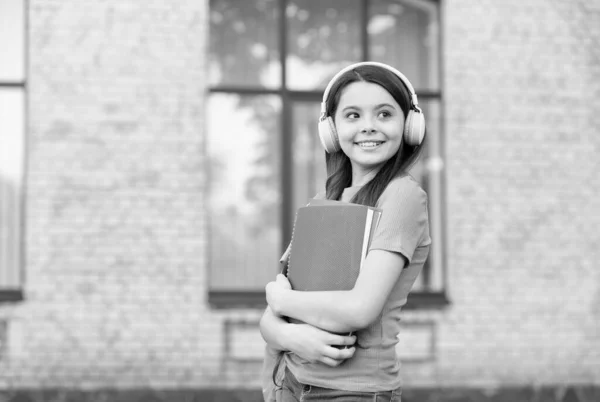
<point>404,222</point>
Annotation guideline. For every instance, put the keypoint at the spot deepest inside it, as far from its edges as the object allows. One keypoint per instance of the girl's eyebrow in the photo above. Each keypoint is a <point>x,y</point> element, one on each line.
<point>384,105</point>
<point>350,108</point>
<point>381,105</point>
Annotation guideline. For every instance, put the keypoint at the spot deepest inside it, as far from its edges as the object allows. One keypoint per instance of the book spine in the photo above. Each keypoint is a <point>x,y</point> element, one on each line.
<point>288,252</point>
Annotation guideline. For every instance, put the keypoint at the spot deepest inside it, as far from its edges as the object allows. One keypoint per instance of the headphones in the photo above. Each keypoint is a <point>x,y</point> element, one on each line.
<point>414,125</point>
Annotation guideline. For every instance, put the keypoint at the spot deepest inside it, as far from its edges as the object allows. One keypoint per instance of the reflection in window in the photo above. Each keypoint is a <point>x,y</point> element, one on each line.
<point>12,140</point>
<point>404,34</point>
<point>309,171</point>
<point>11,176</point>
<point>12,41</point>
<point>324,36</point>
<point>244,43</point>
<point>428,172</point>
<point>244,197</point>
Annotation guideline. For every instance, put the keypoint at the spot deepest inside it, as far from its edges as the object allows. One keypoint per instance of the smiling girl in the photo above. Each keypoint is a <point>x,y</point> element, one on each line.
<point>373,132</point>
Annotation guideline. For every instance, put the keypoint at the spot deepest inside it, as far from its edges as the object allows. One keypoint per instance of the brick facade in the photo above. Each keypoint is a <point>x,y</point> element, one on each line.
<point>116,283</point>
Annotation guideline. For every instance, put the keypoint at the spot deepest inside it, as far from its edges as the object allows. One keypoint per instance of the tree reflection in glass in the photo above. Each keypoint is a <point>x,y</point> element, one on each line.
<point>244,196</point>
<point>244,43</point>
<point>324,36</point>
<point>404,34</point>
<point>309,171</point>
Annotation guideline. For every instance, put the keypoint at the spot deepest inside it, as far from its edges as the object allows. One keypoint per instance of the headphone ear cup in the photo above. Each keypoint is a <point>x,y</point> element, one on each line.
<point>414,128</point>
<point>328,135</point>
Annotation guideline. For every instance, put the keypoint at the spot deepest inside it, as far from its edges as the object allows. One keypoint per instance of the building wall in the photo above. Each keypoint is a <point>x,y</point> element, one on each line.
<point>115,217</point>
<point>522,83</point>
<point>116,283</point>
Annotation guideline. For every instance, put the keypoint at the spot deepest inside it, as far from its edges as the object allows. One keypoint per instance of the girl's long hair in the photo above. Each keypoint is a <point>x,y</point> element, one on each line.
<point>339,169</point>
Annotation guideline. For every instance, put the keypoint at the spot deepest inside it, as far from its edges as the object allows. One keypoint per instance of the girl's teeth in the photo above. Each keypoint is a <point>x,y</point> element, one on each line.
<point>368,144</point>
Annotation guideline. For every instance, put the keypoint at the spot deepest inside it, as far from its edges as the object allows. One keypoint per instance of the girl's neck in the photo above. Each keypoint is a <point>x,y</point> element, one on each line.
<point>362,177</point>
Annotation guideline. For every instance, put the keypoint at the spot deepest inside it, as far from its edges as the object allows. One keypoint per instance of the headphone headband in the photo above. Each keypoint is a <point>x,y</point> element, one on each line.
<point>413,95</point>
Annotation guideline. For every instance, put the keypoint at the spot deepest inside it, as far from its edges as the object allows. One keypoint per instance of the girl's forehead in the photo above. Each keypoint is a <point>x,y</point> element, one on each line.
<point>361,93</point>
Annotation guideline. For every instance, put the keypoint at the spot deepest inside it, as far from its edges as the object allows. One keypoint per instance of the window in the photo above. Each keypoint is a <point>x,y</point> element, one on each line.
<point>269,63</point>
<point>12,140</point>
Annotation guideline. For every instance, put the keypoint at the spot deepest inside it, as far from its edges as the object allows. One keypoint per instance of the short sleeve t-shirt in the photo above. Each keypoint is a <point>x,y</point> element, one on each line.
<point>404,224</point>
<point>403,228</point>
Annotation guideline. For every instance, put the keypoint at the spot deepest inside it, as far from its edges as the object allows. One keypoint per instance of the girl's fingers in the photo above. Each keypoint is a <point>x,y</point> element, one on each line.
<point>330,362</point>
<point>349,340</point>
<point>338,354</point>
<point>342,340</point>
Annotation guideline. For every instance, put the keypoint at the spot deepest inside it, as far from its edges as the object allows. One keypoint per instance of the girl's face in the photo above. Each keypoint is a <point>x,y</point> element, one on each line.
<point>370,124</point>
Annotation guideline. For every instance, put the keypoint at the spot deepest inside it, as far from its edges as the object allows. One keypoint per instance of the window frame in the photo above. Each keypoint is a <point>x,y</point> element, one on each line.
<point>16,295</point>
<point>228,299</point>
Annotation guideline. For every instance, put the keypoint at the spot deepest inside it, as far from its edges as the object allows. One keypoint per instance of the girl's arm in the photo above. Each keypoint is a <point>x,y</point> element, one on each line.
<point>304,340</point>
<point>274,330</point>
<point>341,311</point>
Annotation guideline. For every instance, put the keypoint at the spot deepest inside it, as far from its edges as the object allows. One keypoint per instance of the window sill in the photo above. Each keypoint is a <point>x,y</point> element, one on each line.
<point>7,296</point>
<point>231,299</point>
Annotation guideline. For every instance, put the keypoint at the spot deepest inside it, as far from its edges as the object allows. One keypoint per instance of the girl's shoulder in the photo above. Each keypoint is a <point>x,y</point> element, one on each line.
<point>402,188</point>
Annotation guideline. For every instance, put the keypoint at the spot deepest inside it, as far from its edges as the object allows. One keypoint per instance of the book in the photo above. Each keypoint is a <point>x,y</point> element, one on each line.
<point>330,241</point>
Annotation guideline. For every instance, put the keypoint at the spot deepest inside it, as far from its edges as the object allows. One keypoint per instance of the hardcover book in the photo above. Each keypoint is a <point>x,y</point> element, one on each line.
<point>329,244</point>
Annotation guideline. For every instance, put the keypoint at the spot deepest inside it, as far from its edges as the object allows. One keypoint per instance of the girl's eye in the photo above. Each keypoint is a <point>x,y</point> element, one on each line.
<point>384,114</point>
<point>352,115</point>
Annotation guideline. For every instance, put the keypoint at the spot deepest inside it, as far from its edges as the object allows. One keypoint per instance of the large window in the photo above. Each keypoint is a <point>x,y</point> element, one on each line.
<point>12,140</point>
<point>269,63</point>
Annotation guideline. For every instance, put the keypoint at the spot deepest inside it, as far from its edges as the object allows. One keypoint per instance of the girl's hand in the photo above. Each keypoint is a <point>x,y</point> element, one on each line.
<point>275,290</point>
<point>316,345</point>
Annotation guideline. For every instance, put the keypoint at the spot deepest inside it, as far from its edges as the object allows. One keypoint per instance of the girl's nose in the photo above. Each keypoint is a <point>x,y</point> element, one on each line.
<point>368,124</point>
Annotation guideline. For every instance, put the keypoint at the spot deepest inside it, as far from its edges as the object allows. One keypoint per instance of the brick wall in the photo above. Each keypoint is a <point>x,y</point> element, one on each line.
<point>115,276</point>
<point>115,217</point>
<point>522,81</point>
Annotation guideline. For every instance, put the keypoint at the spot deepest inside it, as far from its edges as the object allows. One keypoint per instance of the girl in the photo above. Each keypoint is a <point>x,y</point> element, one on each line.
<point>373,131</point>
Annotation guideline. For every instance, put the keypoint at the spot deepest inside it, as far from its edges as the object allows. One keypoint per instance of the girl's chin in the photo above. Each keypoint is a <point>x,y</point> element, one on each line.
<point>368,163</point>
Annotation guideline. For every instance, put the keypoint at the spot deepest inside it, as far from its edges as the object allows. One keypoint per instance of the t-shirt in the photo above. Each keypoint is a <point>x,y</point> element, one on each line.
<point>403,228</point>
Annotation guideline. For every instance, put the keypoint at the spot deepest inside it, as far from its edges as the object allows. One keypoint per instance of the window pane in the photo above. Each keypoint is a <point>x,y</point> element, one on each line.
<point>428,171</point>
<point>12,39</point>
<point>11,176</point>
<point>404,34</point>
<point>244,192</point>
<point>309,171</point>
<point>244,43</point>
<point>323,37</point>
